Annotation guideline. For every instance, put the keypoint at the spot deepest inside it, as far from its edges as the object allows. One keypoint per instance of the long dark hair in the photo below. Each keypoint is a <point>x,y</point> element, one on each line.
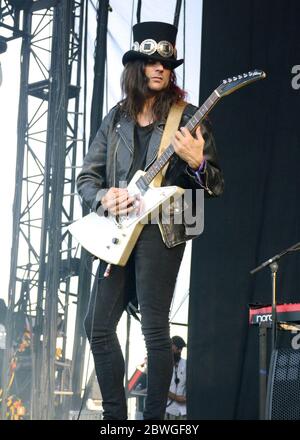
<point>136,92</point>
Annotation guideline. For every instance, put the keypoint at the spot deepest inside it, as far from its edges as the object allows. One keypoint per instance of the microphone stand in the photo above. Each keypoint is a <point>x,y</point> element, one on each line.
<point>273,264</point>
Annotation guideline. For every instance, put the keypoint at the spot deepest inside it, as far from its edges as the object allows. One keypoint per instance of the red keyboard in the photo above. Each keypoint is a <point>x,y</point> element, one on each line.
<point>285,313</point>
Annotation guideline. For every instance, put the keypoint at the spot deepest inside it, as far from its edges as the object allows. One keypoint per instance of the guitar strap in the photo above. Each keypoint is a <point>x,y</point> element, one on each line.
<point>171,126</point>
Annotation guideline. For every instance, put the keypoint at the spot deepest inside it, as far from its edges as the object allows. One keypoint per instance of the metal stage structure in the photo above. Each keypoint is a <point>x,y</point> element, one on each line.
<point>46,275</point>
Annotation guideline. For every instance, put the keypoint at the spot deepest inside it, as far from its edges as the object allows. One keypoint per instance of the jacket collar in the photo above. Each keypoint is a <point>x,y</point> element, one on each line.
<point>126,130</point>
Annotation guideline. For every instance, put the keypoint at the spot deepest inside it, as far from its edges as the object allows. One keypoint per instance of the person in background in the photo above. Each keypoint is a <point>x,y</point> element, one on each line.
<point>176,406</point>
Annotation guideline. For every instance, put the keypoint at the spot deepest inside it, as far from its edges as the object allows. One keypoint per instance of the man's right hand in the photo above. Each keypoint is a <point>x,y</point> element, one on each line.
<point>117,201</point>
<point>177,398</point>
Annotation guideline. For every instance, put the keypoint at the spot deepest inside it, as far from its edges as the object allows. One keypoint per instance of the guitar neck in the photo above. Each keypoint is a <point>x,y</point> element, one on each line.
<point>192,124</point>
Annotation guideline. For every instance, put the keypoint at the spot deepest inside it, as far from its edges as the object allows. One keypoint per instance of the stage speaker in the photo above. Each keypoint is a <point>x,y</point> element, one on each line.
<point>283,393</point>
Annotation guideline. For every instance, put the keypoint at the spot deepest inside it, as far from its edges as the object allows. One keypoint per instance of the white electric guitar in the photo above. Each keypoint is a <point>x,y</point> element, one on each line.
<point>112,238</point>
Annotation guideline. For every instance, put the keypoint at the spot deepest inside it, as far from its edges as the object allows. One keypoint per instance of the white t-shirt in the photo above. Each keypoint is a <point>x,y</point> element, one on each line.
<point>175,408</point>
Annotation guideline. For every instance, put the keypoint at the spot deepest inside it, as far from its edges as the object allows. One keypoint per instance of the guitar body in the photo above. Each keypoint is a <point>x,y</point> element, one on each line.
<point>112,239</point>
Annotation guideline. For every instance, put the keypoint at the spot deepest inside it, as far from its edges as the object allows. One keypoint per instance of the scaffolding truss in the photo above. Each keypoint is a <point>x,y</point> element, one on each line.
<point>45,262</point>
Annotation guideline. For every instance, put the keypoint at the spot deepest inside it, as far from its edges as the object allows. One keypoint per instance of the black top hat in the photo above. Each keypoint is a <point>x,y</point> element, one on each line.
<point>154,40</point>
<point>178,341</point>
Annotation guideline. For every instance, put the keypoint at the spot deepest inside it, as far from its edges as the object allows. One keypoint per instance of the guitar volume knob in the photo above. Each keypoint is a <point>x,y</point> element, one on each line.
<point>115,240</point>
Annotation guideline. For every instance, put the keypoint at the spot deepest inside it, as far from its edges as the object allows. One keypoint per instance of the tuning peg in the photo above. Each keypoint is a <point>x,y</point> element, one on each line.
<point>245,75</point>
<point>240,76</point>
<point>234,78</point>
<point>229,80</point>
<point>224,81</point>
<point>250,73</point>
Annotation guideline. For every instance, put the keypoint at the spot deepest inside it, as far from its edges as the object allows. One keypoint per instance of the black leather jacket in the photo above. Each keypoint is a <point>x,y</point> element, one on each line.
<point>110,157</point>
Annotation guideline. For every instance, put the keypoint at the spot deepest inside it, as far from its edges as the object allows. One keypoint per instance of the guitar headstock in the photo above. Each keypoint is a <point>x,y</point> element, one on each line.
<point>229,85</point>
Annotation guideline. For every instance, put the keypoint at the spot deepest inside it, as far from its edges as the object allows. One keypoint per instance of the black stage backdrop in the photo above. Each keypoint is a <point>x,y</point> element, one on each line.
<point>258,137</point>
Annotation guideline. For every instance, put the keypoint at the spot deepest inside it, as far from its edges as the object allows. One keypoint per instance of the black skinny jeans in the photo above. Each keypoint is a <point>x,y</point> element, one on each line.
<point>153,269</point>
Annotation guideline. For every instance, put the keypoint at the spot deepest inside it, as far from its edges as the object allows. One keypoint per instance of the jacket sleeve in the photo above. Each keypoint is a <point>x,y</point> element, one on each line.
<point>91,181</point>
<point>211,176</point>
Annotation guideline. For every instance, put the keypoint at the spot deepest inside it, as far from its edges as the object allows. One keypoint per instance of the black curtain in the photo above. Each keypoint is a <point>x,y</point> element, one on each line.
<point>258,138</point>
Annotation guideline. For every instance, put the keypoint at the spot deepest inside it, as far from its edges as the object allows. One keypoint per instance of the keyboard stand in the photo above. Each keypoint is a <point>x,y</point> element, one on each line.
<point>263,371</point>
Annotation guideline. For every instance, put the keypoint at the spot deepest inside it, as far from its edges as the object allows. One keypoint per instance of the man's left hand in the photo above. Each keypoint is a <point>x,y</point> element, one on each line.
<point>187,147</point>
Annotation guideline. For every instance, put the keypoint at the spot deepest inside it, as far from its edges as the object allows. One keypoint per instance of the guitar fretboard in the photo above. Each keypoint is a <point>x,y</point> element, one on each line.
<point>191,126</point>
